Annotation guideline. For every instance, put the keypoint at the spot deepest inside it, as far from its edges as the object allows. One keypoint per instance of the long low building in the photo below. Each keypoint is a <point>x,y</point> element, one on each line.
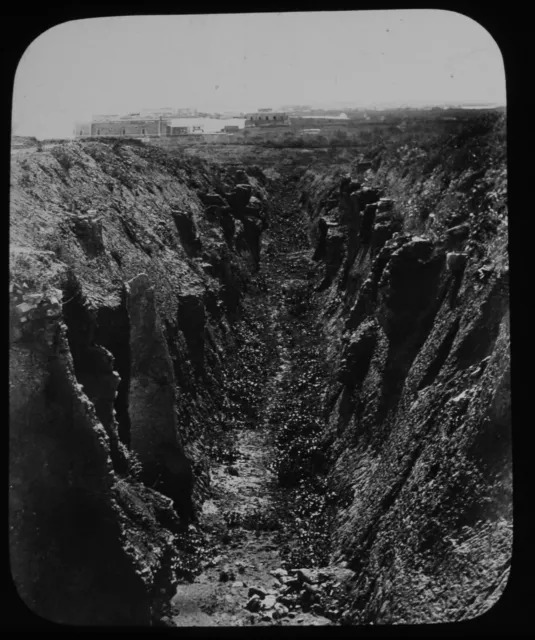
<point>266,118</point>
<point>143,125</point>
<point>135,126</point>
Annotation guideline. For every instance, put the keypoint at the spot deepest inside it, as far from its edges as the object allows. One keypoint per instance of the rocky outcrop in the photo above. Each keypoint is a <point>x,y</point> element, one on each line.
<point>66,535</point>
<point>356,358</point>
<point>239,197</point>
<point>88,229</point>
<point>241,214</point>
<point>121,300</point>
<point>457,235</point>
<point>187,231</point>
<point>211,199</point>
<point>418,421</point>
<point>154,434</point>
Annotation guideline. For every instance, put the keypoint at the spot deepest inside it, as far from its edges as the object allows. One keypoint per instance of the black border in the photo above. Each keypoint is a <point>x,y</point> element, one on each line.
<point>510,30</point>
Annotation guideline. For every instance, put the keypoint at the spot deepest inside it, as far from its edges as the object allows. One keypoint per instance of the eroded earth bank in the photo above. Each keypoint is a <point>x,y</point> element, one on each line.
<point>266,387</point>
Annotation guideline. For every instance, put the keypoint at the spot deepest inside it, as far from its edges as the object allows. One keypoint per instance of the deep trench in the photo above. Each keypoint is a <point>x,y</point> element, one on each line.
<point>262,505</point>
<point>256,508</point>
<point>279,452</point>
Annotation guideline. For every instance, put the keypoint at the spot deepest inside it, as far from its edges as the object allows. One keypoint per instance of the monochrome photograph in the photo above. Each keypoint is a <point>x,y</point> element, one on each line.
<point>259,346</point>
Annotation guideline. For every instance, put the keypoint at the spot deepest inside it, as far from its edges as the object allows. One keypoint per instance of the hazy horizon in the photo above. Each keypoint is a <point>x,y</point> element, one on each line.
<point>243,62</point>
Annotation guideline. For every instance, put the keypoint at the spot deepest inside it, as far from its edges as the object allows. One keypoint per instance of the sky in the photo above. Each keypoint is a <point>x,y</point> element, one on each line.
<point>249,61</point>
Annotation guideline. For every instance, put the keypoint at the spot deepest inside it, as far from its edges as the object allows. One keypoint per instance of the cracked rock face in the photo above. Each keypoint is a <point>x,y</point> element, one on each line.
<point>65,537</point>
<point>108,326</point>
<point>152,385</point>
<point>418,452</point>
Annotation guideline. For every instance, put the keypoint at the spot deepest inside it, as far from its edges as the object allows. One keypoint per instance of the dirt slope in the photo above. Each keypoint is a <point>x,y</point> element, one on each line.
<point>127,266</point>
<point>416,316</point>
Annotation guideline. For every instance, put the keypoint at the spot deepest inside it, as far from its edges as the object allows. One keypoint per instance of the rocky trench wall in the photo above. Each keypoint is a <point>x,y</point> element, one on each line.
<point>414,285</point>
<point>127,268</point>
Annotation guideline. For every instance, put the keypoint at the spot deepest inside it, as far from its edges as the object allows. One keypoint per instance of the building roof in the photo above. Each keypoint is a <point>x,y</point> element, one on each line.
<point>342,116</point>
<point>123,119</point>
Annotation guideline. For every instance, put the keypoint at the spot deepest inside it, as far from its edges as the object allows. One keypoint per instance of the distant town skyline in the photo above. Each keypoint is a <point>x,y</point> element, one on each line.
<point>335,106</point>
<point>243,62</point>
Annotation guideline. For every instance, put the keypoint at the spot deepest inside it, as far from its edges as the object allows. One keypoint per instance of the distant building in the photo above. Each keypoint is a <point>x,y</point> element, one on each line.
<point>266,117</point>
<point>231,128</point>
<point>177,131</point>
<point>140,125</point>
<point>180,129</point>
<point>125,126</point>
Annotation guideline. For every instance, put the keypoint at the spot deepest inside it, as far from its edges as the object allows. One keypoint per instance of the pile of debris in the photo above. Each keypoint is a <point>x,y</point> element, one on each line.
<point>299,591</point>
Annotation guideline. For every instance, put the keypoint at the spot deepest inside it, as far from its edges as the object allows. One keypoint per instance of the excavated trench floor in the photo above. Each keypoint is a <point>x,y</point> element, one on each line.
<point>219,595</point>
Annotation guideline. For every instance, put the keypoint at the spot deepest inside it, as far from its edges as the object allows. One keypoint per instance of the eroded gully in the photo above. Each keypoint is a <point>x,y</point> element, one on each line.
<point>250,541</point>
